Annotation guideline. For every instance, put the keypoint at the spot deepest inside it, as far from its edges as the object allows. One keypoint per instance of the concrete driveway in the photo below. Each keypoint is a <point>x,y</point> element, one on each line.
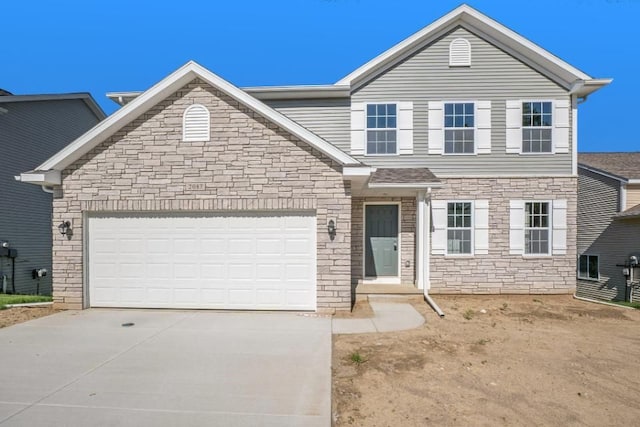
<point>173,368</point>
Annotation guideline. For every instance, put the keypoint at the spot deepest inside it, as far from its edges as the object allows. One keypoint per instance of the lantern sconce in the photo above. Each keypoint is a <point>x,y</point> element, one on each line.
<point>65,228</point>
<point>332,228</point>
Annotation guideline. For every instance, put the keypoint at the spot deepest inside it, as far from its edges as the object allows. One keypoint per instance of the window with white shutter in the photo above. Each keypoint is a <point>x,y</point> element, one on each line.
<point>460,227</point>
<point>196,124</point>
<point>460,53</point>
<point>538,227</point>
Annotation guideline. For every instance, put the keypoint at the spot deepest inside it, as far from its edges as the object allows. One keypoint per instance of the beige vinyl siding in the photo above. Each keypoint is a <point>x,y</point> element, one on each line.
<point>327,118</point>
<point>493,75</point>
<point>633,195</point>
<point>612,240</point>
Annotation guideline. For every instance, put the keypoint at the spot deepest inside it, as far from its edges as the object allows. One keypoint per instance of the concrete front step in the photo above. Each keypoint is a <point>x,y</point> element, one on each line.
<point>366,289</point>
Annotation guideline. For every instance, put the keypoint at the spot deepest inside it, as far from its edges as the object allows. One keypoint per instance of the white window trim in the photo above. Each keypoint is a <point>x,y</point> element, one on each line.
<point>591,279</point>
<point>387,280</point>
<point>367,129</point>
<point>472,230</point>
<point>553,144</point>
<point>475,127</point>
<point>549,228</point>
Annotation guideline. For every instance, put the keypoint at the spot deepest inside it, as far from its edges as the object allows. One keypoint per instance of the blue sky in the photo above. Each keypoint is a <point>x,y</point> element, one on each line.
<point>120,45</point>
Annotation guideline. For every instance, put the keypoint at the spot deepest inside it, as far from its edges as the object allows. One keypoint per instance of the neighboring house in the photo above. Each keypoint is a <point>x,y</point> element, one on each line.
<point>32,129</point>
<point>608,224</point>
<point>447,164</point>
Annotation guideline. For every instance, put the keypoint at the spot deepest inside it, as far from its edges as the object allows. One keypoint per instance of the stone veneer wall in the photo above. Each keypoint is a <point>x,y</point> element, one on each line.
<point>407,236</point>
<point>499,271</point>
<point>249,164</point>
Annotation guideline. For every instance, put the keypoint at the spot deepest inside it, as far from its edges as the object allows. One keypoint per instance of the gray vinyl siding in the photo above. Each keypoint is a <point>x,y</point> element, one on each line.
<point>494,75</point>
<point>612,240</point>
<point>31,132</point>
<point>330,119</point>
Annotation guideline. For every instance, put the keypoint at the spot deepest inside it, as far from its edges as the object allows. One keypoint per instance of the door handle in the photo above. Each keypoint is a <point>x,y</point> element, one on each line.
<point>395,246</point>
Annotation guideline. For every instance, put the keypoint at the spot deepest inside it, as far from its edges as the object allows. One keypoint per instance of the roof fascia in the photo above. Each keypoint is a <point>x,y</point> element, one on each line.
<point>166,87</point>
<point>603,173</point>
<point>491,29</point>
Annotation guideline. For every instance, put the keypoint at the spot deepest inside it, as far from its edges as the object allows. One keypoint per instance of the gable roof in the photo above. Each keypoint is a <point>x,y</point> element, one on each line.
<point>48,173</point>
<point>624,166</point>
<point>84,96</point>
<point>528,52</point>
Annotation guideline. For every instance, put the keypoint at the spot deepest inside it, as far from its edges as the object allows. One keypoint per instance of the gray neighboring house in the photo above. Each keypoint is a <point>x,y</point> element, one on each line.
<point>447,164</point>
<point>32,129</point>
<point>608,225</point>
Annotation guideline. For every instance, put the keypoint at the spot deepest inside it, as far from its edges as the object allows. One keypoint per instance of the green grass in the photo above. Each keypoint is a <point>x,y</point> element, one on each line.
<point>356,358</point>
<point>468,315</point>
<point>22,299</point>
<point>634,304</point>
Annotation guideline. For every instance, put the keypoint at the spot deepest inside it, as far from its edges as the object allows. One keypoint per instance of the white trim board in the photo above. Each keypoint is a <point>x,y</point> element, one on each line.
<point>163,89</point>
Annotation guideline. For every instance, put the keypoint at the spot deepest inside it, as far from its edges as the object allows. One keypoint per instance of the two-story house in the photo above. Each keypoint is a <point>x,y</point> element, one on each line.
<point>609,226</point>
<point>32,129</point>
<point>447,164</point>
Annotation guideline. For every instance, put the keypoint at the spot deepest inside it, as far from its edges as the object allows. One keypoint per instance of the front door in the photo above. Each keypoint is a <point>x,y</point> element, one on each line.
<point>381,240</point>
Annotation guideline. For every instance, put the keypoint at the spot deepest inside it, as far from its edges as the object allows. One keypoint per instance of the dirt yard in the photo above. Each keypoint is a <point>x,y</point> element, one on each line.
<point>499,360</point>
<point>11,316</point>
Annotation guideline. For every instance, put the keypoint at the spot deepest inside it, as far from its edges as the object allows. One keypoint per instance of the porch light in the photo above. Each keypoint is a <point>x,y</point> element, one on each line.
<point>331,228</point>
<point>64,227</point>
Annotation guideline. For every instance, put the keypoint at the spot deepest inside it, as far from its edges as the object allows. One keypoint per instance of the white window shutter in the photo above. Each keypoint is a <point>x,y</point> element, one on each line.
<point>483,127</point>
<point>514,126</point>
<point>436,124</point>
<point>516,227</point>
<point>460,53</point>
<point>358,126</point>
<point>405,127</point>
<point>196,123</point>
<point>439,221</point>
<point>559,233</point>
<point>561,125</point>
<point>481,226</point>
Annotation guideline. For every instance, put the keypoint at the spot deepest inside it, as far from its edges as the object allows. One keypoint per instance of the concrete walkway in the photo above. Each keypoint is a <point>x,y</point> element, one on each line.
<point>172,368</point>
<point>388,317</point>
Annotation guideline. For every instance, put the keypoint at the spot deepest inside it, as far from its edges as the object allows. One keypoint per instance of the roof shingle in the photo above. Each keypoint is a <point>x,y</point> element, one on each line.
<point>402,176</point>
<point>624,165</point>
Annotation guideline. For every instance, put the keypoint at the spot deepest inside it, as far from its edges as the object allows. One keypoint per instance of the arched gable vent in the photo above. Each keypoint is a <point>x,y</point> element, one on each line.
<point>460,53</point>
<point>195,123</point>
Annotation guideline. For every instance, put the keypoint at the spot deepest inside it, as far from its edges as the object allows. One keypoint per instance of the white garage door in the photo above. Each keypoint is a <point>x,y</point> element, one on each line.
<point>257,261</point>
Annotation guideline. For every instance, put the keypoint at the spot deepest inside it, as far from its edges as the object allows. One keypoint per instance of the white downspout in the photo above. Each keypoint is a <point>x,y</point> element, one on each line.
<point>426,239</point>
<point>574,136</point>
<point>420,240</point>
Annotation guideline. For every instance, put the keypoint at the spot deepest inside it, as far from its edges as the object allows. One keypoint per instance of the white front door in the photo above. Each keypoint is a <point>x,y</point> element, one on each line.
<point>256,261</point>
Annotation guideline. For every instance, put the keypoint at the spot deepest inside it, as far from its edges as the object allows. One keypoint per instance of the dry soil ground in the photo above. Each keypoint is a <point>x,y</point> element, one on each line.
<point>11,316</point>
<point>499,360</point>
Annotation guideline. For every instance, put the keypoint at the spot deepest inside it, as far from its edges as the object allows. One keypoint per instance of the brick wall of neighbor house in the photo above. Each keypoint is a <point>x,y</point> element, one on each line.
<point>407,236</point>
<point>249,164</point>
<point>500,272</point>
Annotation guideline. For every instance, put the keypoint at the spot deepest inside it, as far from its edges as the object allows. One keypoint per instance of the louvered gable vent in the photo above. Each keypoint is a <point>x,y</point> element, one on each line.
<point>460,53</point>
<point>196,124</point>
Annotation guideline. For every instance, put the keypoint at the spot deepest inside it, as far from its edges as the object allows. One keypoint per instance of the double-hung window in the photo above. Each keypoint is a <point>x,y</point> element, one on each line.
<point>536,228</point>
<point>382,129</point>
<point>537,127</point>
<point>459,128</point>
<point>459,227</point>
<point>588,267</point>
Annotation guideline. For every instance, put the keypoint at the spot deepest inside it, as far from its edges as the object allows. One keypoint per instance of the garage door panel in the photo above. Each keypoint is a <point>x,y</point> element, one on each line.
<point>236,261</point>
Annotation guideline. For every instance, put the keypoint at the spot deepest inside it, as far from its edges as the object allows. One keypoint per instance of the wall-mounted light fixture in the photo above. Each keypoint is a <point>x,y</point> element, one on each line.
<point>64,227</point>
<point>332,228</point>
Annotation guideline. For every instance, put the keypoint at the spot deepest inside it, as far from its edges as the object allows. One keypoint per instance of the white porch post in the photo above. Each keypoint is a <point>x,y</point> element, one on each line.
<point>422,241</point>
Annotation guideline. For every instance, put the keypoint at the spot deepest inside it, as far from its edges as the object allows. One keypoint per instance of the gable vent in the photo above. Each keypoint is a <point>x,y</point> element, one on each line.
<point>460,53</point>
<point>195,123</point>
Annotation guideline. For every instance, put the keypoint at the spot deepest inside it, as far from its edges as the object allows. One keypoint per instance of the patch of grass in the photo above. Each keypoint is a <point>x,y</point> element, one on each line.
<point>634,304</point>
<point>6,299</point>
<point>483,341</point>
<point>468,315</point>
<point>504,306</point>
<point>538,301</point>
<point>356,358</point>
<point>3,307</point>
